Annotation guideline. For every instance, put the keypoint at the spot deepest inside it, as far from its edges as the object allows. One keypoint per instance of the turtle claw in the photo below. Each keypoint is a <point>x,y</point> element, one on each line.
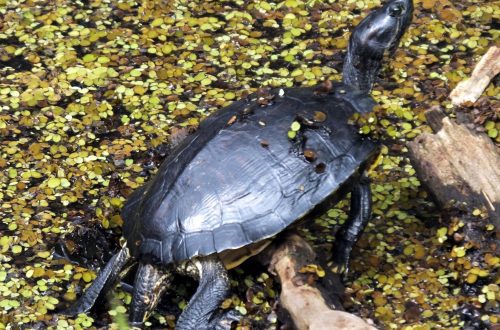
<point>339,269</point>
<point>341,262</point>
<point>69,312</point>
<point>224,320</point>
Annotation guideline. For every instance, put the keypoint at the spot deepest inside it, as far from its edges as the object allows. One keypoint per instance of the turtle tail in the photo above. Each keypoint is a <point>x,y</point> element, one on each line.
<point>106,278</point>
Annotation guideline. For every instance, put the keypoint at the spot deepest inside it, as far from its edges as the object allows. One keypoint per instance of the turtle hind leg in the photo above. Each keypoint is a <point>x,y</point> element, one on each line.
<point>359,215</point>
<point>106,278</point>
<point>213,288</point>
<point>150,282</point>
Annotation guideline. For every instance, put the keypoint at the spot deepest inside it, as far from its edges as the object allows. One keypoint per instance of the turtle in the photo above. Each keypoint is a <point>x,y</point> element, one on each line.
<point>250,171</point>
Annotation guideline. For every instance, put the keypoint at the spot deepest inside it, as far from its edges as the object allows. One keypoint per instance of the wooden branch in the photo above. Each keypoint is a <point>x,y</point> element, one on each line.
<point>471,89</point>
<point>460,167</point>
<point>300,295</point>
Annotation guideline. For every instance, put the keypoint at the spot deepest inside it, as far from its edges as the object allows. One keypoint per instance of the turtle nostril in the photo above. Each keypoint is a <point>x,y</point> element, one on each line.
<point>396,10</point>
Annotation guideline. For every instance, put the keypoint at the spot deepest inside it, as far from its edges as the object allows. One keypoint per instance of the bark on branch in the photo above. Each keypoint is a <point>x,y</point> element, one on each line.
<point>301,297</point>
<point>471,89</point>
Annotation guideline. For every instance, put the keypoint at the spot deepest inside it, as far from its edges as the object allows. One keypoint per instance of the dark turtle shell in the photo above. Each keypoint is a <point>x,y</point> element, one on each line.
<point>240,178</point>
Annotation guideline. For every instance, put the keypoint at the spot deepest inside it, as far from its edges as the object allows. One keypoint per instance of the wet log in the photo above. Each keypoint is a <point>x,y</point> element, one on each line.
<point>460,167</point>
<point>302,296</point>
<point>471,89</point>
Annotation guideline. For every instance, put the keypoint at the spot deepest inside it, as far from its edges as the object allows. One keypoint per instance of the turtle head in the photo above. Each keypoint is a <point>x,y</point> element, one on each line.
<point>377,34</point>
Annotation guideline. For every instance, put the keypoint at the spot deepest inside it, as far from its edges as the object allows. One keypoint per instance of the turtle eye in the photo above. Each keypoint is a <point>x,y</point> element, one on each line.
<point>396,9</point>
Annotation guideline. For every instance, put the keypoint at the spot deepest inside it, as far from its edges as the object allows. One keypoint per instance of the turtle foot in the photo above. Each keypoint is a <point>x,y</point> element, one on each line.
<point>341,260</point>
<point>225,320</point>
<point>71,311</point>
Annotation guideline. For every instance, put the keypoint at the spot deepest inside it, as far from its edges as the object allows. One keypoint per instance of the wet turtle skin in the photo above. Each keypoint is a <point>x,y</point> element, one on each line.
<point>240,178</point>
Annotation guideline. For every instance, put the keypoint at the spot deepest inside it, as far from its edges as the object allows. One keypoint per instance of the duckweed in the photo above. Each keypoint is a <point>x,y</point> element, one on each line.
<point>91,92</point>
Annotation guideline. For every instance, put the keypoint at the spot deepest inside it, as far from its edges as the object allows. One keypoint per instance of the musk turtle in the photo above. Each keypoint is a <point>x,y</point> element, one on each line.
<point>251,170</point>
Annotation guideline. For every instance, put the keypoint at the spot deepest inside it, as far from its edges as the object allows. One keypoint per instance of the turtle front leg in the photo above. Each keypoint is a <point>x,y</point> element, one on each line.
<point>213,288</point>
<point>359,215</point>
<point>106,278</point>
<point>150,282</point>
